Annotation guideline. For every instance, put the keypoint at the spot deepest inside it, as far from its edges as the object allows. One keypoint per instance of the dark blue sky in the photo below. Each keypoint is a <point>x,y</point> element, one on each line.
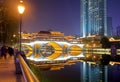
<point>60,15</point>
<point>113,10</point>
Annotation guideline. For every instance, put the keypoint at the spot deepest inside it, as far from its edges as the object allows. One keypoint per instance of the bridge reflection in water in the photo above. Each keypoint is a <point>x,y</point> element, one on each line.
<point>76,70</point>
<point>82,71</point>
<point>57,62</point>
<point>51,50</point>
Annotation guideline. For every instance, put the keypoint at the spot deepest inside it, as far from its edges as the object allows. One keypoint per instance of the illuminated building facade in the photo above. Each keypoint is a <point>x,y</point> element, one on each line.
<point>46,35</point>
<point>50,35</point>
<point>93,18</point>
<point>50,45</point>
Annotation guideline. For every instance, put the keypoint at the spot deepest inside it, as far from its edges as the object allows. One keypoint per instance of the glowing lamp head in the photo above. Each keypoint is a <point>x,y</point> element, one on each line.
<point>21,8</point>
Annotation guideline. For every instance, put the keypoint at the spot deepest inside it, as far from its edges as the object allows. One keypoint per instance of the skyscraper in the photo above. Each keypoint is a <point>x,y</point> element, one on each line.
<point>118,30</point>
<point>93,18</point>
<point>109,26</point>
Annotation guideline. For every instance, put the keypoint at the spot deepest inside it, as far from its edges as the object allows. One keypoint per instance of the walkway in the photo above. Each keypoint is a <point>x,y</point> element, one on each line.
<point>7,71</point>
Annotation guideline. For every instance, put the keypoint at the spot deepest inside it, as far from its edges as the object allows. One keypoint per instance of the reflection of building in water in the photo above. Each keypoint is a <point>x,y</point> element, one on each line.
<point>93,73</point>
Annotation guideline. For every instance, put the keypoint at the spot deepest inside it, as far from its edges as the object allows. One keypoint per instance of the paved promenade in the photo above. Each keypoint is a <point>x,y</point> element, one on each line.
<point>7,71</point>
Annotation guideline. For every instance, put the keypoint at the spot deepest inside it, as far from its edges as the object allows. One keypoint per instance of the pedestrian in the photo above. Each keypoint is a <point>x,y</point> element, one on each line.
<point>10,51</point>
<point>4,51</point>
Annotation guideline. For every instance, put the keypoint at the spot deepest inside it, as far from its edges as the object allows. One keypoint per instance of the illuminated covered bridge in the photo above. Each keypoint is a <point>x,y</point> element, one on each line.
<point>52,50</point>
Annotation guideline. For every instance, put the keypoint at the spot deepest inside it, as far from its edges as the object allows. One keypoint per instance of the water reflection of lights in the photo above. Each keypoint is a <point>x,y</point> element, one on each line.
<point>49,51</point>
<point>113,63</point>
<point>58,59</point>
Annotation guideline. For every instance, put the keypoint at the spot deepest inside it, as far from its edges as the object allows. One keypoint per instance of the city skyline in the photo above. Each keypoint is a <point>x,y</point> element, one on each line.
<point>93,18</point>
<point>60,15</point>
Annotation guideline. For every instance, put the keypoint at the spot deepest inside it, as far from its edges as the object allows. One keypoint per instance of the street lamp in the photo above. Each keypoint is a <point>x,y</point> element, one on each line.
<point>21,9</point>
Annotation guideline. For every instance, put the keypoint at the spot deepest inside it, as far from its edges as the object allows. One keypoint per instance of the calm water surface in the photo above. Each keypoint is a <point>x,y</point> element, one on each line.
<point>83,72</point>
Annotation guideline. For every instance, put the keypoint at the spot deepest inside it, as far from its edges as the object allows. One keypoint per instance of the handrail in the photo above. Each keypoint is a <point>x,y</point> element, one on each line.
<point>27,73</point>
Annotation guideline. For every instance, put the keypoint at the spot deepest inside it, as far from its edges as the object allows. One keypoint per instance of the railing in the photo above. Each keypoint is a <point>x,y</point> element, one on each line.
<point>27,73</point>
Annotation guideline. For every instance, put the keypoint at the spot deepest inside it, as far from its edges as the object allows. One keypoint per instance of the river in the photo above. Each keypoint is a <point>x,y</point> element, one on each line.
<point>82,72</point>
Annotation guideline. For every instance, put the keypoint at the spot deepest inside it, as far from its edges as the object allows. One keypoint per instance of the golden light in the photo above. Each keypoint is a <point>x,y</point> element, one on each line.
<point>14,35</point>
<point>94,56</point>
<point>87,55</point>
<point>87,45</point>
<point>21,8</point>
<point>94,45</point>
<point>112,63</point>
<point>111,39</point>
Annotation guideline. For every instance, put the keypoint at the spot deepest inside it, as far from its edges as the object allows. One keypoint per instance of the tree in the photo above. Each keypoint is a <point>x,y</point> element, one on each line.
<point>8,21</point>
<point>105,42</point>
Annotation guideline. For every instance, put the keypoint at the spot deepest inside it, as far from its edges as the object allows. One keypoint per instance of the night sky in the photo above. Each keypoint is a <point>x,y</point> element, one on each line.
<point>60,15</point>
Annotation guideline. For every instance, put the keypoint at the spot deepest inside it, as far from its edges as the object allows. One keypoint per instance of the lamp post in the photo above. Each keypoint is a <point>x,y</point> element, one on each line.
<point>21,9</point>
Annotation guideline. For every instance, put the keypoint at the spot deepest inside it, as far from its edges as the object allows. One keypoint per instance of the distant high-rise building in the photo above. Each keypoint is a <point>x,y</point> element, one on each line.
<point>109,26</point>
<point>118,30</point>
<point>93,18</point>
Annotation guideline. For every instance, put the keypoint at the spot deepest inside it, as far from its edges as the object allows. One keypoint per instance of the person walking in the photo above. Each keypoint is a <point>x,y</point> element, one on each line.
<point>10,51</point>
<point>4,51</point>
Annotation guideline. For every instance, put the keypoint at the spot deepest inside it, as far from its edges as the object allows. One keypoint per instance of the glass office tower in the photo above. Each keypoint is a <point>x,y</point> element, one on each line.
<point>93,18</point>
